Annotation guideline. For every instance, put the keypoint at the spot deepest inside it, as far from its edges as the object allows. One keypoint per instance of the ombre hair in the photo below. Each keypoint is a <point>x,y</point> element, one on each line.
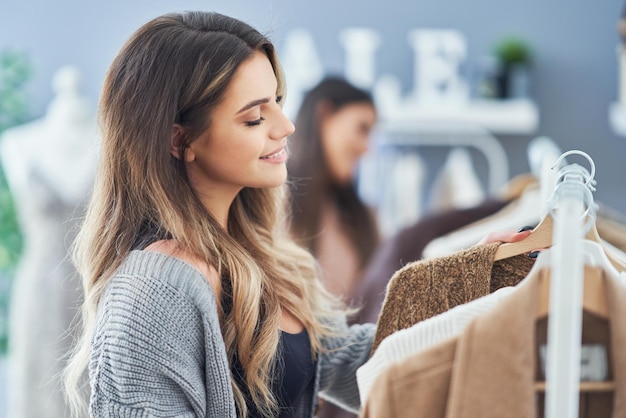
<point>175,70</point>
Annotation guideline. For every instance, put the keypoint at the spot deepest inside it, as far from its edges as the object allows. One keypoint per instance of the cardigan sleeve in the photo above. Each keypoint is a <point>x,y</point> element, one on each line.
<point>147,352</point>
<point>342,356</point>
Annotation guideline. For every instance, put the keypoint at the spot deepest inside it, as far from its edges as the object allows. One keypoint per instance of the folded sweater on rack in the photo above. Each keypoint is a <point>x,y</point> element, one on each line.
<point>426,288</point>
<point>407,246</point>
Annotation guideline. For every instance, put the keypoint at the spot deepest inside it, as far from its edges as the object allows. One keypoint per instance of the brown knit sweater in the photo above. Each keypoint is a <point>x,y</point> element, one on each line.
<point>426,288</point>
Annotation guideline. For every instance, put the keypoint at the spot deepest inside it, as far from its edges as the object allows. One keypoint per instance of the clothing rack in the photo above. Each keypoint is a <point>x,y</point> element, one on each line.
<point>575,204</point>
<point>436,134</point>
<point>398,139</point>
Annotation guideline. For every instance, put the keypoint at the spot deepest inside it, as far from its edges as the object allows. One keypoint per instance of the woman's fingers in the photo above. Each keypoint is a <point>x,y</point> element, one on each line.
<point>505,236</point>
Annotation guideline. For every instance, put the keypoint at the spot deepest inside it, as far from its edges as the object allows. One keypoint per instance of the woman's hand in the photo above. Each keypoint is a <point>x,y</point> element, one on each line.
<point>507,236</point>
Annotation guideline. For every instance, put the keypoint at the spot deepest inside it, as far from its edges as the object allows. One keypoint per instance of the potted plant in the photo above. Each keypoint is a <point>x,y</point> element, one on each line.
<point>514,56</point>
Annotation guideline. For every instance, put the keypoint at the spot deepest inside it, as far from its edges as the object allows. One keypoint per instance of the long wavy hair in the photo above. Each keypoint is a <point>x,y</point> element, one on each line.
<point>312,184</point>
<point>175,70</point>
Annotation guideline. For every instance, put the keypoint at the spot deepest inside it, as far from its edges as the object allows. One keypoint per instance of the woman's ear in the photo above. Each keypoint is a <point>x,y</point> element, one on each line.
<point>177,143</point>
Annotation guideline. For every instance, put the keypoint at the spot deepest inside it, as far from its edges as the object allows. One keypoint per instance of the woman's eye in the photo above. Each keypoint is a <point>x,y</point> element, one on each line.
<point>255,122</point>
<point>279,99</point>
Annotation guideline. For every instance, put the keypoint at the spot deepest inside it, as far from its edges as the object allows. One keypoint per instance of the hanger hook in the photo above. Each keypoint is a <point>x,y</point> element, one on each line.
<point>589,215</point>
<point>592,165</point>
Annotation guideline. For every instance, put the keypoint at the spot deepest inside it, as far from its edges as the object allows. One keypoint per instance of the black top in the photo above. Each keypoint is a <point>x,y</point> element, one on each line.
<point>295,371</point>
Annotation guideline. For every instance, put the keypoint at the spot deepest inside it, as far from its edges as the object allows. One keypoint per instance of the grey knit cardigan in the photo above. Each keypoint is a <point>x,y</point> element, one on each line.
<point>157,349</point>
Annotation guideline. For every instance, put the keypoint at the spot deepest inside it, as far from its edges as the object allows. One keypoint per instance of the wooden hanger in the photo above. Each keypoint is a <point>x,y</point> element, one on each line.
<point>541,237</point>
<point>594,293</point>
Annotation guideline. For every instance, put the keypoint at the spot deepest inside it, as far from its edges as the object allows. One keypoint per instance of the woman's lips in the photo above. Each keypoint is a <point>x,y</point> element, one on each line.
<point>277,156</point>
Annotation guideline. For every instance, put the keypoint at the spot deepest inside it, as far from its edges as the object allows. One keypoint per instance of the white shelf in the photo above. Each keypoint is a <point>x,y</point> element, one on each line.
<point>512,116</point>
<point>617,118</point>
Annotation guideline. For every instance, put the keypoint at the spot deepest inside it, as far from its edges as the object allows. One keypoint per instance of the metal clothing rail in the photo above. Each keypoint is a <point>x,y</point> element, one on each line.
<point>575,203</point>
<point>437,134</point>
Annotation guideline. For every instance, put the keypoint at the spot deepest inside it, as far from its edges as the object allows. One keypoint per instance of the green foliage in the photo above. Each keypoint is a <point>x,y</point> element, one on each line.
<point>10,237</point>
<point>15,71</point>
<point>512,50</point>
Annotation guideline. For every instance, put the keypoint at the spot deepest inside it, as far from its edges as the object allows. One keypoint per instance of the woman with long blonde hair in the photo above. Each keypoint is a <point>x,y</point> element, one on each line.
<point>197,302</point>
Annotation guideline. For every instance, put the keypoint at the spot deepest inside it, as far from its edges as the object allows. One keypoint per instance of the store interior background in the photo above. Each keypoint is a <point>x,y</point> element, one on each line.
<point>573,78</point>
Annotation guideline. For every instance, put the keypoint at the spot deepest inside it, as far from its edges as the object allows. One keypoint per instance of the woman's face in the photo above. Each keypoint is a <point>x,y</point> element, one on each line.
<point>345,138</point>
<point>244,145</point>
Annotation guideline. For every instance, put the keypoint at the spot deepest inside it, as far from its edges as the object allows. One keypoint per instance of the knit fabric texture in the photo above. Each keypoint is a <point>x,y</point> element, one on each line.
<point>425,288</point>
<point>157,348</point>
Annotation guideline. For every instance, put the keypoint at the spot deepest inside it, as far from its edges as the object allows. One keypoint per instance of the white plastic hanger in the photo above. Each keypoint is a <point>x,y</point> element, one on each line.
<point>542,236</point>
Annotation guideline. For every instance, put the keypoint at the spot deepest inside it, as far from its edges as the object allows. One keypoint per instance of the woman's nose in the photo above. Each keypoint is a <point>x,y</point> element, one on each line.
<point>283,127</point>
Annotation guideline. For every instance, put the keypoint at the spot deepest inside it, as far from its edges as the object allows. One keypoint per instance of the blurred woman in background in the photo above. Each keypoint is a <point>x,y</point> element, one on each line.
<point>328,217</point>
<point>334,124</point>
